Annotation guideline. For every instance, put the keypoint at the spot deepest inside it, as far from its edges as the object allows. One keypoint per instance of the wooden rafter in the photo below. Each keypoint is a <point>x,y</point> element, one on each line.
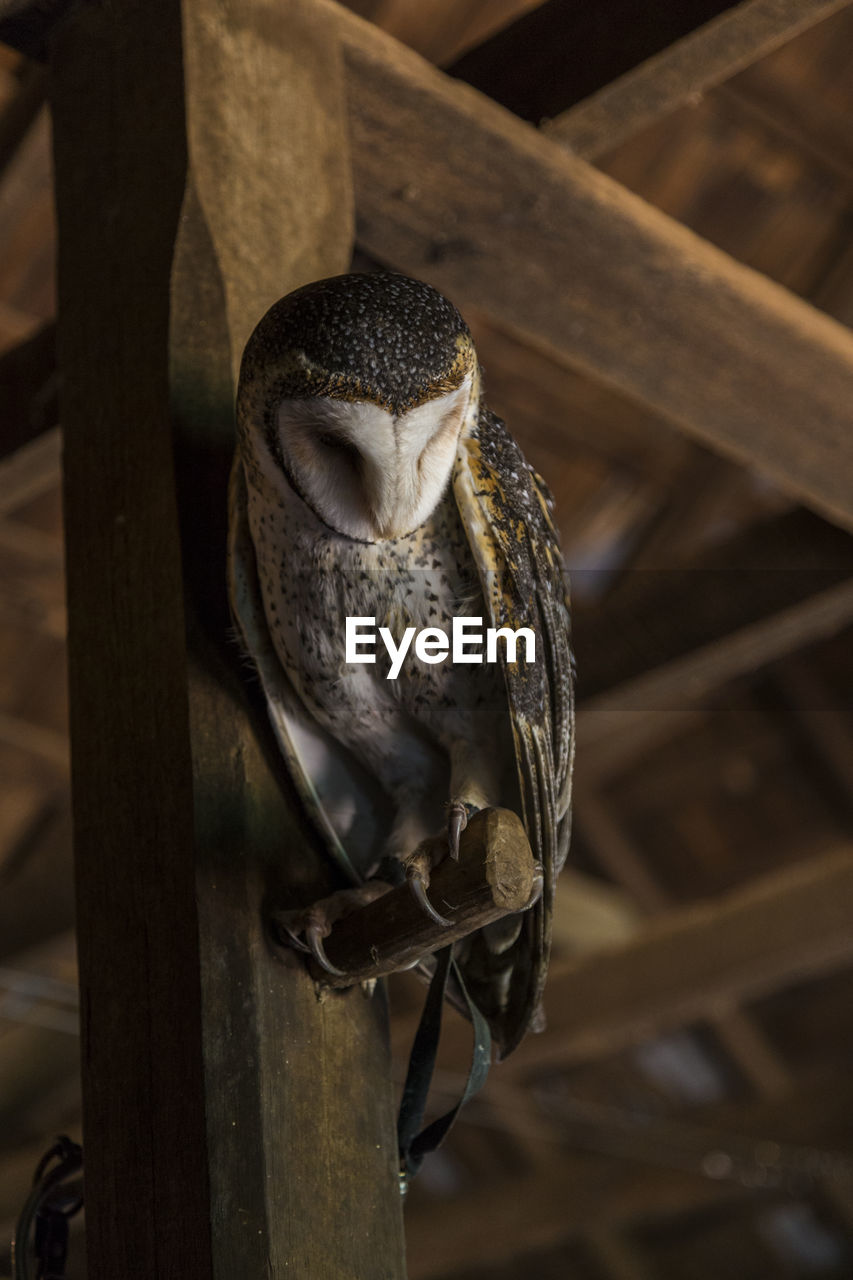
<point>670,639</point>
<point>563,52</point>
<point>684,71</point>
<point>569,1193</point>
<point>452,188</point>
<point>688,964</point>
<point>779,929</point>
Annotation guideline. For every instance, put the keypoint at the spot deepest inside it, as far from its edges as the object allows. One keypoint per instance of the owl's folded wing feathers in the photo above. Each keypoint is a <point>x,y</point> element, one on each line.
<point>506,509</point>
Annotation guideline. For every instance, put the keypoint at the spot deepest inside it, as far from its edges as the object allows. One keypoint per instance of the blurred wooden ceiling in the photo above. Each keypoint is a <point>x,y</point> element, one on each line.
<point>688,1110</point>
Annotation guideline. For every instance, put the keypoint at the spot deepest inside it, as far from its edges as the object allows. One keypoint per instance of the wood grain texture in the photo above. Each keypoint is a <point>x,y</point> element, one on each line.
<point>570,1191</point>
<point>690,963</point>
<point>683,72</point>
<point>253,1122</point>
<point>563,51</point>
<point>668,639</point>
<point>452,188</point>
<point>493,878</point>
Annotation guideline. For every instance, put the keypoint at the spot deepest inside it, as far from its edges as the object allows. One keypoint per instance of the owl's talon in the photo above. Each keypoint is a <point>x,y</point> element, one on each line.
<point>418,886</point>
<point>293,938</point>
<point>314,933</point>
<point>457,821</point>
<point>536,891</point>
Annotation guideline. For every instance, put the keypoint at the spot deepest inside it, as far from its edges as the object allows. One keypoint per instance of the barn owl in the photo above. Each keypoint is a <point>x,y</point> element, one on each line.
<point>370,482</point>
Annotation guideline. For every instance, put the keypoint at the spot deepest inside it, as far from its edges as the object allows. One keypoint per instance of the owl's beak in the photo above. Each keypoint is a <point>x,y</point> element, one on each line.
<point>392,495</point>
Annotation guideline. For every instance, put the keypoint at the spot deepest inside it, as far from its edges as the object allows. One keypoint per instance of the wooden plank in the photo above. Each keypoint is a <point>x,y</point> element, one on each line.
<point>562,52</point>
<point>668,640</point>
<point>37,902</point>
<point>823,721</point>
<point>511,1217</point>
<point>550,405</point>
<point>493,877</point>
<point>30,470</point>
<point>452,188</point>
<point>568,1191</point>
<point>688,963</point>
<point>28,382</point>
<point>253,1122</point>
<point>36,739</point>
<point>617,854</point>
<point>682,72</point>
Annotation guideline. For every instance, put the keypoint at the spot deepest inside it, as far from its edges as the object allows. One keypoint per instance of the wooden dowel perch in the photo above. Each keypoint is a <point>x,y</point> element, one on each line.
<point>495,876</point>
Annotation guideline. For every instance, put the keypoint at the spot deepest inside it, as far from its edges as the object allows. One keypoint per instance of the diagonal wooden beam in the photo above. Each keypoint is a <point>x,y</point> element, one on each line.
<point>684,71</point>
<point>669,639</point>
<point>566,1193</point>
<point>652,1173</point>
<point>685,965</point>
<point>563,51</point>
<point>452,188</point>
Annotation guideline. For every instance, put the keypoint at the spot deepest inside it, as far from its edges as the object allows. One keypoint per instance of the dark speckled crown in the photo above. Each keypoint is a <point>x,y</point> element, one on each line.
<point>378,337</point>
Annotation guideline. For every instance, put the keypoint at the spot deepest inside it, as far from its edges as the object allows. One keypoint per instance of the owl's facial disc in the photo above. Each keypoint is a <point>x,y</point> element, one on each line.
<point>366,473</point>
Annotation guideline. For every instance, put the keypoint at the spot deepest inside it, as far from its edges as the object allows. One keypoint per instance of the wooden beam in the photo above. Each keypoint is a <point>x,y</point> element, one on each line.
<point>37,899</point>
<point>563,52</point>
<point>493,877</point>
<point>452,188</point>
<point>823,720</point>
<point>804,1136</point>
<point>235,1104</point>
<point>689,964</point>
<point>28,386</point>
<point>684,71</point>
<point>30,470</point>
<point>617,854</point>
<point>693,961</point>
<point>669,639</point>
<point>513,1217</point>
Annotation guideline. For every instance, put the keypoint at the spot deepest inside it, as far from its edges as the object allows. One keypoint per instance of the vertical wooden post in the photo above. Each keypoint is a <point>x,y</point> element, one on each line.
<point>234,1124</point>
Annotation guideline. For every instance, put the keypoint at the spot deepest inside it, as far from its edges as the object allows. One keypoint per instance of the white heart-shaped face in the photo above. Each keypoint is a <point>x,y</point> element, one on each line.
<point>366,473</point>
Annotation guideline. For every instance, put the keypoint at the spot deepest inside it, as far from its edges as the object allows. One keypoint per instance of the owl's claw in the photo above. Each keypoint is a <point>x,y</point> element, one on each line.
<point>294,938</point>
<point>536,890</point>
<point>315,934</point>
<point>457,821</point>
<point>418,885</point>
<point>305,932</point>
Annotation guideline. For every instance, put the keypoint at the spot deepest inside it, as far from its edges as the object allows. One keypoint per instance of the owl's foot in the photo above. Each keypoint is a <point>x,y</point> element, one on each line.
<point>306,928</point>
<point>419,867</point>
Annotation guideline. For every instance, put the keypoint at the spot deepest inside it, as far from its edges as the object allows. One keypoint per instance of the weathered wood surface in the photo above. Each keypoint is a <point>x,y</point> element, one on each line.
<point>670,639</point>
<point>570,1191</point>
<point>562,52</point>
<point>235,1125</point>
<point>452,188</point>
<point>565,1194</point>
<point>617,854</point>
<point>493,878</point>
<point>696,961</point>
<point>683,72</point>
<point>686,965</point>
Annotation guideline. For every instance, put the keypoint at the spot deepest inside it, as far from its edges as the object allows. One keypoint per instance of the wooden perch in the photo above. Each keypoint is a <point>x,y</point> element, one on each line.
<point>494,876</point>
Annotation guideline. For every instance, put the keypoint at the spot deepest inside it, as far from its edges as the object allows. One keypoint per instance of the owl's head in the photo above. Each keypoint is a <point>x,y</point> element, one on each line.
<point>358,388</point>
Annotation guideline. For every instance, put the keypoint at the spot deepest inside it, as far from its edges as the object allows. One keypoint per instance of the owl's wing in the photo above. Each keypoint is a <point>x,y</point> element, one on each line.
<point>506,510</point>
<point>341,804</point>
